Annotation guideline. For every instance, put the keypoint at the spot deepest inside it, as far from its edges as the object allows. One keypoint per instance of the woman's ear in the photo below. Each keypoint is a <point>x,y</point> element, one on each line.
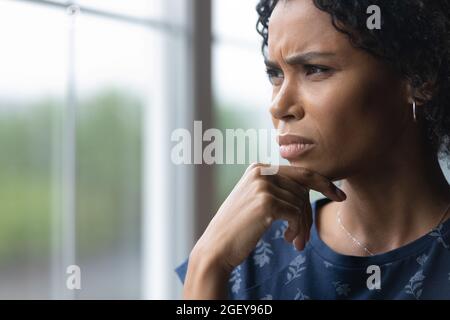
<point>422,94</point>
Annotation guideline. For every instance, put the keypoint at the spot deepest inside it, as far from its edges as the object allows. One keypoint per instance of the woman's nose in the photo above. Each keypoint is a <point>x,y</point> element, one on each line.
<point>286,105</point>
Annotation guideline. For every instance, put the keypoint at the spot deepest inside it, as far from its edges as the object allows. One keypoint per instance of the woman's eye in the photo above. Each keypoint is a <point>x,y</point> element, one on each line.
<point>310,69</point>
<point>275,76</point>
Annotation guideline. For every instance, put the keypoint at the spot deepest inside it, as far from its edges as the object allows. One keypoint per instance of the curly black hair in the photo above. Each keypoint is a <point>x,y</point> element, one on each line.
<point>414,39</point>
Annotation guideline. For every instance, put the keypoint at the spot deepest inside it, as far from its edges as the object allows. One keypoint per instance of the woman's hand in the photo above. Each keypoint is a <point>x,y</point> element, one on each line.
<point>250,209</point>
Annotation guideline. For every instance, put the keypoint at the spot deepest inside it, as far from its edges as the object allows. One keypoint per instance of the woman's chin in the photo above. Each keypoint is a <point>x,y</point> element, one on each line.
<point>329,173</point>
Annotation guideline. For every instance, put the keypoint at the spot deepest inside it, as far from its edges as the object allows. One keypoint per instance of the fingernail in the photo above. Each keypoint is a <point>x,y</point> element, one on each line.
<point>341,194</point>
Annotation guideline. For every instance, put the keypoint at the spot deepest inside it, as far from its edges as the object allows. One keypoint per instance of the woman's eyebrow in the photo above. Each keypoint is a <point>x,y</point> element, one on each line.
<point>301,58</point>
<point>271,64</point>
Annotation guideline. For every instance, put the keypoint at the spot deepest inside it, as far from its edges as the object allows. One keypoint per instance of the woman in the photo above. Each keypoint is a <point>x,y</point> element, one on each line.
<point>369,107</point>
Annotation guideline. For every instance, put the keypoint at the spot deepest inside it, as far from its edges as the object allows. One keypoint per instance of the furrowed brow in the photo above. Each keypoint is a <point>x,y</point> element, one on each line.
<point>306,58</point>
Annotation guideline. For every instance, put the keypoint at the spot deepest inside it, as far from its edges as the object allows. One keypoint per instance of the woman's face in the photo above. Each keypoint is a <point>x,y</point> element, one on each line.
<point>348,102</point>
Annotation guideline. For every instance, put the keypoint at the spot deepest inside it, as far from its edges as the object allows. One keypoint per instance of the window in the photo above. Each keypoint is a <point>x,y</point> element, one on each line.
<point>86,98</point>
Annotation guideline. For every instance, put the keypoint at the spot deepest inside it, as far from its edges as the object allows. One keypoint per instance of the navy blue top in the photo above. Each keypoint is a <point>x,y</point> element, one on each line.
<point>276,270</point>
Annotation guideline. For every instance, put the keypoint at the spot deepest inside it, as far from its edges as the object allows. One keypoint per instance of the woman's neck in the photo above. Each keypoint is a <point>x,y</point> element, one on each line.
<point>389,207</point>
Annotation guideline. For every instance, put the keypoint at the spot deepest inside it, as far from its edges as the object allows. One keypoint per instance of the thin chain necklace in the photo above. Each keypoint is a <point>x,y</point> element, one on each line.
<point>359,244</point>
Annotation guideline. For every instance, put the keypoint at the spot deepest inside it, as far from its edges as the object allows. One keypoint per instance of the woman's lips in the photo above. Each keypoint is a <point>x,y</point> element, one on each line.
<point>293,146</point>
<point>294,150</point>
